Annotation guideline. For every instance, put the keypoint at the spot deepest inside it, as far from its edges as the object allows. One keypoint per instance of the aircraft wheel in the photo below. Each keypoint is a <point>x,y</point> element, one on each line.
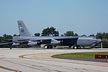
<point>48,46</point>
<point>75,47</point>
<point>45,46</point>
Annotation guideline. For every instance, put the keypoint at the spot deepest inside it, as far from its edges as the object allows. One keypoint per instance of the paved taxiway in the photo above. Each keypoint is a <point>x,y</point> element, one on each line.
<point>40,60</point>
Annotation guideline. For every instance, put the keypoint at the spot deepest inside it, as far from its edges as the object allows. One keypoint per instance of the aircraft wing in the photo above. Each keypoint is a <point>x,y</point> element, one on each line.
<point>25,38</point>
<point>6,43</point>
<point>65,40</point>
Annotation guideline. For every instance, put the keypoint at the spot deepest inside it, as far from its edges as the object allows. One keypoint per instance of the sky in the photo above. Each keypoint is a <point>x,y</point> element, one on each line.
<point>81,16</point>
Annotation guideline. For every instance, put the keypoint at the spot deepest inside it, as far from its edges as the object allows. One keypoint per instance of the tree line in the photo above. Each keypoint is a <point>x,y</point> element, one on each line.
<point>51,31</point>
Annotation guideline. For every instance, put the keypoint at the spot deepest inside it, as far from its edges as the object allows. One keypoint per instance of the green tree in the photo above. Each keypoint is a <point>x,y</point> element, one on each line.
<point>37,34</point>
<point>104,37</point>
<point>92,35</point>
<point>75,34</point>
<point>56,33</point>
<point>83,35</point>
<point>1,39</point>
<point>105,43</point>
<point>99,35</point>
<point>16,35</point>
<point>6,39</point>
<point>50,31</point>
<point>70,33</point>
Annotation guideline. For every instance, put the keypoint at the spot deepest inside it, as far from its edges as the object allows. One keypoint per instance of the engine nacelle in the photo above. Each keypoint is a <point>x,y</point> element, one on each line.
<point>50,45</point>
<point>31,43</point>
<point>54,42</point>
<point>15,44</point>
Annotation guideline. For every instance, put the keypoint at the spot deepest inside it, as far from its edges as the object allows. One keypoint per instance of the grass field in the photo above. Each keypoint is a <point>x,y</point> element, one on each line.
<point>80,55</point>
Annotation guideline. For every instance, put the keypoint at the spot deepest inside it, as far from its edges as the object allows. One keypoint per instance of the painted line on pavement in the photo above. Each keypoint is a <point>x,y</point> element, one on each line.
<point>9,69</point>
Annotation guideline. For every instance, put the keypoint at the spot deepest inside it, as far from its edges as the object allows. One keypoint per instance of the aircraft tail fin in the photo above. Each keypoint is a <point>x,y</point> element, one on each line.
<point>23,31</point>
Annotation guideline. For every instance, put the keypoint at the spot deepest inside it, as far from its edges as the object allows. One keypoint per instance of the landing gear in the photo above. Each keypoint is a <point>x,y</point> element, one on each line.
<point>48,46</point>
<point>76,47</point>
<point>10,48</point>
<point>69,46</point>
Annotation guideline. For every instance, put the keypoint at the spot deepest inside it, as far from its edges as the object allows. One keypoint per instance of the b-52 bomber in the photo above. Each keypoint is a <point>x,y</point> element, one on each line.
<point>50,41</point>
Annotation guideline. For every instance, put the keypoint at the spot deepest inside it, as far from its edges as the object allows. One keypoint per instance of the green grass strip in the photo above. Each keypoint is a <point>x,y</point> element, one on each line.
<point>80,55</point>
